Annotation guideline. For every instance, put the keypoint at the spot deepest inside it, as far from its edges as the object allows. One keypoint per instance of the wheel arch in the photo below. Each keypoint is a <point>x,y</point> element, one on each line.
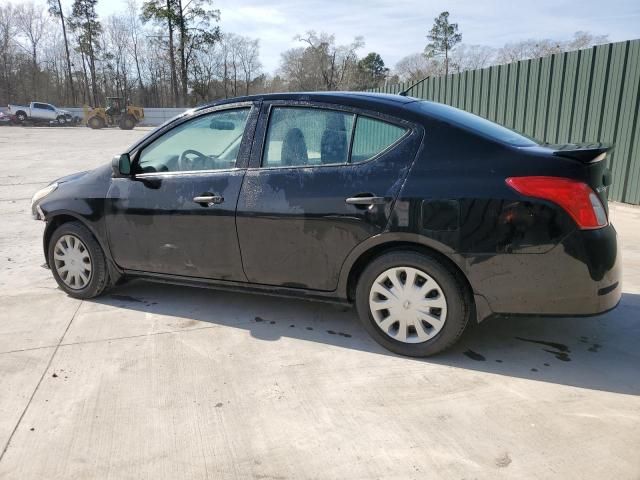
<point>375,247</point>
<point>58,219</point>
<point>53,223</point>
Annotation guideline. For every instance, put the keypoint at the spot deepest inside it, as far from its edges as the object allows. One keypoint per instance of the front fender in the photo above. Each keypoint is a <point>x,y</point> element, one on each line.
<point>59,217</point>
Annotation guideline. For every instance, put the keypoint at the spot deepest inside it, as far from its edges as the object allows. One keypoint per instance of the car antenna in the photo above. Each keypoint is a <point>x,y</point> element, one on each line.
<point>407,90</point>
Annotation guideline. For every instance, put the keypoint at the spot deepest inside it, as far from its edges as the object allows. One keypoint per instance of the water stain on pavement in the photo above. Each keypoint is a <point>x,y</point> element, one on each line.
<point>561,351</point>
<point>474,356</point>
<point>562,356</point>
<point>126,298</point>
<point>558,346</point>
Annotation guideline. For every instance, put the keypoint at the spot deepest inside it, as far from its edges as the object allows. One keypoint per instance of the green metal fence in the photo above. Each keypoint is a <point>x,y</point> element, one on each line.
<point>580,96</point>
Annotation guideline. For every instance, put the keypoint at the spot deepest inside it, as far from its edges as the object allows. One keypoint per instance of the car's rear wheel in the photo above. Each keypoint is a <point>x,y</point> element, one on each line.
<point>77,261</point>
<point>21,116</point>
<point>412,303</point>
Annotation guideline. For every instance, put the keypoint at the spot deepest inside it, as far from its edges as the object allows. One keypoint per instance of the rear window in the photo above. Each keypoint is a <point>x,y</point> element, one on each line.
<point>477,124</point>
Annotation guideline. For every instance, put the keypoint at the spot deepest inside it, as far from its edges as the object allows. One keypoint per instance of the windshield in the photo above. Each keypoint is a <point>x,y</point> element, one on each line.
<point>476,124</point>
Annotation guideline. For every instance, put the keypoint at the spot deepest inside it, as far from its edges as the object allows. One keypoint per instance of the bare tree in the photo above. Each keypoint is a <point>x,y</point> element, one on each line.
<point>331,61</point>
<point>297,70</point>
<point>583,39</point>
<point>249,56</point>
<point>471,57</point>
<point>31,21</point>
<point>117,56</point>
<point>163,11</point>
<point>7,33</point>
<point>321,64</point>
<point>134,28</point>
<point>230,55</point>
<point>55,9</point>
<point>417,66</point>
<point>84,20</point>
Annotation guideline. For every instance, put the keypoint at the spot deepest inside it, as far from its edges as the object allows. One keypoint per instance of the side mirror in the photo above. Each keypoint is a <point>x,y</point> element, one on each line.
<point>121,166</point>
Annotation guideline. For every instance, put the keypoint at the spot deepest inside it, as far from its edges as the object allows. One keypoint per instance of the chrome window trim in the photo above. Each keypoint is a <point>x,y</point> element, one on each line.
<point>183,173</point>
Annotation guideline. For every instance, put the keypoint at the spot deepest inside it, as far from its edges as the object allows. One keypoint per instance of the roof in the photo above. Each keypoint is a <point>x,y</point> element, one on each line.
<point>352,98</point>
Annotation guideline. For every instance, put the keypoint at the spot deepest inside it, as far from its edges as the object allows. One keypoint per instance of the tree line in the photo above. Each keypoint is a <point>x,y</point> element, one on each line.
<point>170,53</point>
<point>445,53</point>
<point>162,53</point>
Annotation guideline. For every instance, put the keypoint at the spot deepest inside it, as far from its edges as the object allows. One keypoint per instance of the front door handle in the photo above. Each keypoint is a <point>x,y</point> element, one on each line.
<point>365,200</point>
<point>209,200</point>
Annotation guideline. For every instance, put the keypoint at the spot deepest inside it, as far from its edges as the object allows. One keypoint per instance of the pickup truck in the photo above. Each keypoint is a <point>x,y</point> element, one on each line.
<point>40,112</point>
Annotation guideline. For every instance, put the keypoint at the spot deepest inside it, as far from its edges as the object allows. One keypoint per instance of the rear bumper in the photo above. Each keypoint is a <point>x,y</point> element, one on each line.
<point>579,276</point>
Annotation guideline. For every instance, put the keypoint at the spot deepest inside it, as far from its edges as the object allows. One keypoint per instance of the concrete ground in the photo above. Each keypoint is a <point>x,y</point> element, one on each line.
<point>155,381</point>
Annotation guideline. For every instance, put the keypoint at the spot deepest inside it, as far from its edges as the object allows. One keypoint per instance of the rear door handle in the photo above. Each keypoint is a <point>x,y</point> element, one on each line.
<point>365,200</point>
<point>209,200</point>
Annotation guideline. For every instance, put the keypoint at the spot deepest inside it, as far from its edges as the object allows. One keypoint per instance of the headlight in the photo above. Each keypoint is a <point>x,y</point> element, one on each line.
<point>39,195</point>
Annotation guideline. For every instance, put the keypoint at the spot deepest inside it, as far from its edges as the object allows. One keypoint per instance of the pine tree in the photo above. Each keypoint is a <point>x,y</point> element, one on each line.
<point>443,36</point>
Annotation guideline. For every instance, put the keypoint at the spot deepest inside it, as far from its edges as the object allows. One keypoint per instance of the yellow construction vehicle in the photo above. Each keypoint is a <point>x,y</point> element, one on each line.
<point>125,117</point>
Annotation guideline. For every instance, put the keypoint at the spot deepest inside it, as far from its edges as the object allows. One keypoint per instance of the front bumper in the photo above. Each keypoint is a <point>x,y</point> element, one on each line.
<point>579,276</point>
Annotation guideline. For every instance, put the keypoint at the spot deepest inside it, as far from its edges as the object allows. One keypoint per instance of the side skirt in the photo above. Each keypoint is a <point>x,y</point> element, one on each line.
<point>241,287</point>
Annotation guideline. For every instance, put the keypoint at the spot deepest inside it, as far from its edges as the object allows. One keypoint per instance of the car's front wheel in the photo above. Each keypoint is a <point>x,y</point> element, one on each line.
<point>412,303</point>
<point>77,261</point>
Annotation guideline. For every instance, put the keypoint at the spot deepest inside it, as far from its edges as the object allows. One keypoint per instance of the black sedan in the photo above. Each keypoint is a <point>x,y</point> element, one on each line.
<point>423,216</point>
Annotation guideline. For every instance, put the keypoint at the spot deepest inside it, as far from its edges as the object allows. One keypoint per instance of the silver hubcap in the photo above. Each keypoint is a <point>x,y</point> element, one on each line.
<point>72,262</point>
<point>408,305</point>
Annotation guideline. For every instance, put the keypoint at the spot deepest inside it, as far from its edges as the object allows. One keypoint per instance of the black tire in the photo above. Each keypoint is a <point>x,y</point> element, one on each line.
<point>99,279</point>
<point>127,123</point>
<point>61,120</point>
<point>459,303</point>
<point>96,123</point>
<point>21,116</point>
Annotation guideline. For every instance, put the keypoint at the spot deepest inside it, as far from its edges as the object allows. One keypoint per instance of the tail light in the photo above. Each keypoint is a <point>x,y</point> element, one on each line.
<point>575,197</point>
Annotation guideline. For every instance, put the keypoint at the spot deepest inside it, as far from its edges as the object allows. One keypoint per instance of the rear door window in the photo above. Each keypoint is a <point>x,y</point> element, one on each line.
<point>306,136</point>
<point>300,136</point>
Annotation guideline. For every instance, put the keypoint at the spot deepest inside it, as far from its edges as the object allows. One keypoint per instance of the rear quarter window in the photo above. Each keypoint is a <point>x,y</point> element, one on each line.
<point>372,137</point>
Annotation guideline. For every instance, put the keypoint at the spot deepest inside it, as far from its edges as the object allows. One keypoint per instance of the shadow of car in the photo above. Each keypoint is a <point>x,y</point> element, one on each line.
<point>598,353</point>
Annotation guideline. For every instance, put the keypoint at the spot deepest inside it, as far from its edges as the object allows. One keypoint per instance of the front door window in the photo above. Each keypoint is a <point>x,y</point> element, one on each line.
<point>209,142</point>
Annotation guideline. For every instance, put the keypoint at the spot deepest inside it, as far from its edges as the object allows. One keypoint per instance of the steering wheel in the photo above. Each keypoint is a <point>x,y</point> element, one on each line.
<point>185,163</point>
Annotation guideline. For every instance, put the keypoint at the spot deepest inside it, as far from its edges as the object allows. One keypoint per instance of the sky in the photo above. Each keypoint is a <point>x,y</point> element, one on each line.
<point>395,28</point>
